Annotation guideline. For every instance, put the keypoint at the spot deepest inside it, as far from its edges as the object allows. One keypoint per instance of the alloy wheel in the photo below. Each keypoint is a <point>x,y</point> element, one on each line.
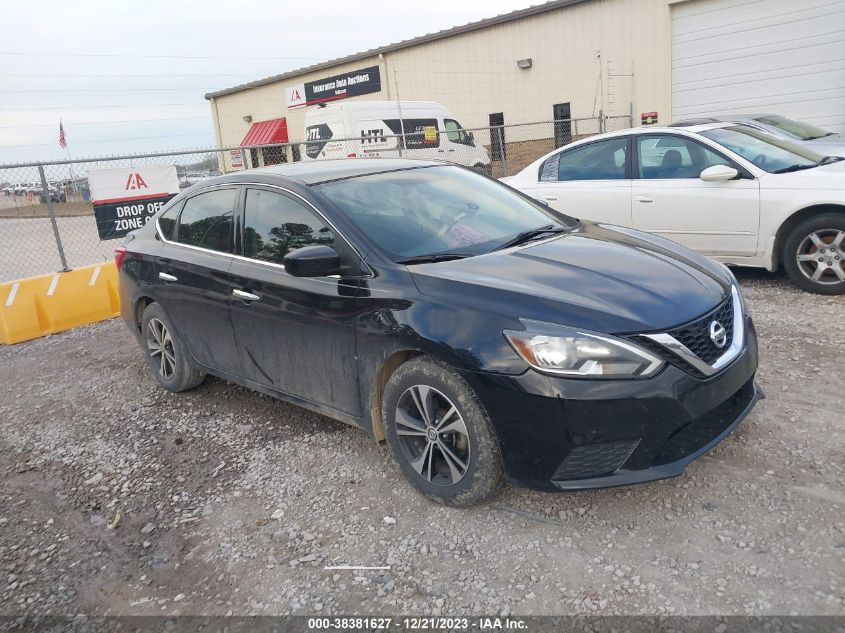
<point>160,346</point>
<point>821,256</point>
<point>432,435</point>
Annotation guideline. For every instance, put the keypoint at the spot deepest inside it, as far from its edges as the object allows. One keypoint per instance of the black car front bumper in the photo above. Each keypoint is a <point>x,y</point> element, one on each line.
<point>569,434</point>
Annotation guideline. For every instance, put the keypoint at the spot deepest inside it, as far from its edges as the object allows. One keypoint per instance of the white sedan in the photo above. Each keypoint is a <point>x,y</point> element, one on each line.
<point>728,191</point>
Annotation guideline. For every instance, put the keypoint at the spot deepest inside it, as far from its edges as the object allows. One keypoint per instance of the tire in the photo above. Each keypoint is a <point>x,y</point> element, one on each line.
<point>823,232</point>
<point>170,365</point>
<point>462,466</point>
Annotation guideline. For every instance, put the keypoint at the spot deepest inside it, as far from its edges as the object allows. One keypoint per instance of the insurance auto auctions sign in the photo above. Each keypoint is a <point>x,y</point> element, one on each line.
<point>351,84</point>
<point>124,199</point>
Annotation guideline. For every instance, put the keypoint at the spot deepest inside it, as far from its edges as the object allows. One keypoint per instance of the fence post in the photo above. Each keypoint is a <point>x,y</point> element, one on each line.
<point>500,132</point>
<point>45,191</point>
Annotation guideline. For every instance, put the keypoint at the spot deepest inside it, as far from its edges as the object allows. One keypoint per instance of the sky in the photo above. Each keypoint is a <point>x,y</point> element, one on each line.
<point>130,77</point>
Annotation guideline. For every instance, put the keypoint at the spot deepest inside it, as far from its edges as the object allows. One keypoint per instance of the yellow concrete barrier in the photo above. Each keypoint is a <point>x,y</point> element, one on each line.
<point>47,304</point>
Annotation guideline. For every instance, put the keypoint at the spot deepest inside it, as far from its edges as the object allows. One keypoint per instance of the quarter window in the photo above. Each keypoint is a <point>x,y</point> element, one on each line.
<point>669,156</point>
<point>167,221</point>
<point>275,224</point>
<point>206,220</point>
<point>602,160</point>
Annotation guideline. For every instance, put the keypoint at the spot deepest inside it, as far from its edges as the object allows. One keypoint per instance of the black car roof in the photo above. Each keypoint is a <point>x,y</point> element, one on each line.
<point>313,172</point>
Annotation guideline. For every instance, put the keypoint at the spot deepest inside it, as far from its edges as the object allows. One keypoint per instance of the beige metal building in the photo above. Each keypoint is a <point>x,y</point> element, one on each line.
<point>575,59</point>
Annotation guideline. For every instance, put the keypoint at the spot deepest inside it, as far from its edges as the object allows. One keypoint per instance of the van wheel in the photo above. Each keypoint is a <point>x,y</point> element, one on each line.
<point>166,354</point>
<point>482,169</point>
<point>814,254</point>
<point>440,435</point>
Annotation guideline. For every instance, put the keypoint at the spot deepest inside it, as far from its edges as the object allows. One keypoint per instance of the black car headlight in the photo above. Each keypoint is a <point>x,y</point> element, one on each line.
<point>566,351</point>
<point>735,284</point>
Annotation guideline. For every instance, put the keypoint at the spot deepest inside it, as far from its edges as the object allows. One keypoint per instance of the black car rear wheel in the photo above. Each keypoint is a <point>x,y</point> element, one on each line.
<point>814,254</point>
<point>166,354</point>
<point>440,434</point>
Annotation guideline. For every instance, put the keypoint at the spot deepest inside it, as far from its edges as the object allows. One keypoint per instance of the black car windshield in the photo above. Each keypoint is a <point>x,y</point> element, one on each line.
<point>444,212</point>
<point>764,150</point>
<point>797,129</point>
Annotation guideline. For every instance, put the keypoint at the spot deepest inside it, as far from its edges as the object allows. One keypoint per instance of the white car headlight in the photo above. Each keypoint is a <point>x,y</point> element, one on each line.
<point>562,350</point>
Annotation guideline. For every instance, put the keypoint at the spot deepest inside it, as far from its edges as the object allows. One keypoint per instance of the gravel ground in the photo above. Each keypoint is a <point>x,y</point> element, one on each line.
<point>119,498</point>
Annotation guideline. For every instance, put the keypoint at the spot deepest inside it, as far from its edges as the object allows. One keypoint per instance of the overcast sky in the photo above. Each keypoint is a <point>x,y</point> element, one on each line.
<point>95,57</point>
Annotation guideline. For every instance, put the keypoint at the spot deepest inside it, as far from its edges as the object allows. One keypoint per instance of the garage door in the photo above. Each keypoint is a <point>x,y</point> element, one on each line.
<point>744,56</point>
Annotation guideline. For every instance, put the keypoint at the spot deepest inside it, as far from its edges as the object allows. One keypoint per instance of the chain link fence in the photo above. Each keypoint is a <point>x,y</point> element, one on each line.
<point>47,219</point>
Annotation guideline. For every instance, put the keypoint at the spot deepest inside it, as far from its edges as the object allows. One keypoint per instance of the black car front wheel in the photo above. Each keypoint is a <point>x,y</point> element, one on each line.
<point>814,254</point>
<point>440,434</point>
<point>166,354</point>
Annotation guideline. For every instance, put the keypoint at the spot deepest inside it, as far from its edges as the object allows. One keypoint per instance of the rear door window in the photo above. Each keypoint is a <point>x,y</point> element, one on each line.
<point>601,160</point>
<point>207,220</point>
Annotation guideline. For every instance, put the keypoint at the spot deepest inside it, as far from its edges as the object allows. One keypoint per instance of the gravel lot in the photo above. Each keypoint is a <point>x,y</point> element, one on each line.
<point>119,498</point>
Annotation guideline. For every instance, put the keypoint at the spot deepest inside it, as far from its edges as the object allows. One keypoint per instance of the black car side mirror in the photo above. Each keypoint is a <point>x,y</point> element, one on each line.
<point>313,261</point>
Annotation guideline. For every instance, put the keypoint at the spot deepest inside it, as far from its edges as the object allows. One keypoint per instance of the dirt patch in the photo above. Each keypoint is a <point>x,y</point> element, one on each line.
<point>61,209</point>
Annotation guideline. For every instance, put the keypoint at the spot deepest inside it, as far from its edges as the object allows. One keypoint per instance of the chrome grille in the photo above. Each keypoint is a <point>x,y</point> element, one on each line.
<point>695,336</point>
<point>691,347</point>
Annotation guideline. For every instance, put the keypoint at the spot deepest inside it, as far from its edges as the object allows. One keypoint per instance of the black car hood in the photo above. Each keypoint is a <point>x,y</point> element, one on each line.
<point>597,277</point>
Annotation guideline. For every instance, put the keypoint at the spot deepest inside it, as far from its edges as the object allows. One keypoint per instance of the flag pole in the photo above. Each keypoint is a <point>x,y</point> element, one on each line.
<point>70,164</point>
<point>72,178</point>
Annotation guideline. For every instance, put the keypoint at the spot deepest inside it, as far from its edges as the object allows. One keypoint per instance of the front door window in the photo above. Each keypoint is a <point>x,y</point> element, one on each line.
<point>275,224</point>
<point>455,133</point>
<point>670,156</point>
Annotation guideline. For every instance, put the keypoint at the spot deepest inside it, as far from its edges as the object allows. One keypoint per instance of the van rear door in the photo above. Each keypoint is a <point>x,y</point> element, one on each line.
<point>323,126</point>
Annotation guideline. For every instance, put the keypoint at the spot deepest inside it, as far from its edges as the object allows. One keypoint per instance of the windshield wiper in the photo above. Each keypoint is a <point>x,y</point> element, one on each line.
<point>530,234</point>
<point>432,258</point>
<point>784,170</point>
<point>827,160</point>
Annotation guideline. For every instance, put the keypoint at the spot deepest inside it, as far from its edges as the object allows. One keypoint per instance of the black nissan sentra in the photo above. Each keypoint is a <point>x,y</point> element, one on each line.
<point>483,335</point>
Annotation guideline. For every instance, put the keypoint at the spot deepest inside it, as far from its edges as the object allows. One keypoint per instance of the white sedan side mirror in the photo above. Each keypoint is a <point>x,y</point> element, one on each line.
<point>719,173</point>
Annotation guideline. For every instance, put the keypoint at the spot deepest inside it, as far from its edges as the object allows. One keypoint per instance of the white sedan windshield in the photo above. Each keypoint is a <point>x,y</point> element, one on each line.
<point>772,154</point>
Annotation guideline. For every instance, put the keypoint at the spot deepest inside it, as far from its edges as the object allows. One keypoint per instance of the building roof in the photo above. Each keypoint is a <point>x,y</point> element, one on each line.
<point>553,5</point>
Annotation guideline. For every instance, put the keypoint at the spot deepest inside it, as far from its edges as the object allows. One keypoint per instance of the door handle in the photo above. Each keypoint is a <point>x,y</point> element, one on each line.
<point>244,296</point>
<point>645,199</point>
<point>549,197</point>
<point>441,150</point>
<point>452,149</point>
<point>167,277</point>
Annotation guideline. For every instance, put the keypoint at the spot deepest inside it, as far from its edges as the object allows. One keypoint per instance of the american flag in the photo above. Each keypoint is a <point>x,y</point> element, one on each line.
<point>62,138</point>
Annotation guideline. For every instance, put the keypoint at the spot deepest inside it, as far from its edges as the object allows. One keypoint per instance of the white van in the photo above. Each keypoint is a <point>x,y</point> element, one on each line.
<point>431,132</point>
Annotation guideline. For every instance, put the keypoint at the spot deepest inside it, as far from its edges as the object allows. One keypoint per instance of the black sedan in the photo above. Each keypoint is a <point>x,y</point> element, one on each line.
<point>483,335</point>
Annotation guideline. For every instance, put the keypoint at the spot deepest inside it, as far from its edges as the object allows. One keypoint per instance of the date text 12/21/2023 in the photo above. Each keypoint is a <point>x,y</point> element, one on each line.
<point>422,623</point>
